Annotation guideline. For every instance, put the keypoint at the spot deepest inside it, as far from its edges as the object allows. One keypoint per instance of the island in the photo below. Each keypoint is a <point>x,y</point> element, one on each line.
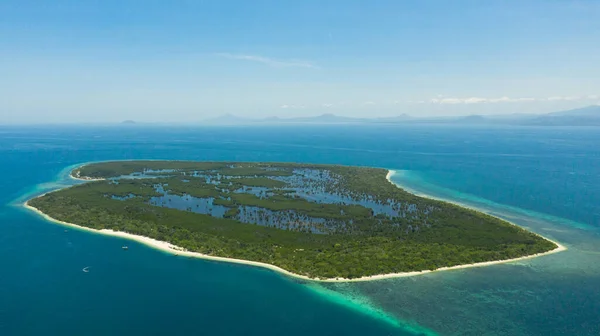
<point>314,221</point>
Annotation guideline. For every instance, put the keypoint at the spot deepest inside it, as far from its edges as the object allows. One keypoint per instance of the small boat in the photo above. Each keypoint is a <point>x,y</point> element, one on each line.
<point>124,247</point>
<point>86,269</point>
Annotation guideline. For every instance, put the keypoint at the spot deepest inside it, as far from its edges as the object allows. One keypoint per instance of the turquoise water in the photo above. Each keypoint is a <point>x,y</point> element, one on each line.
<point>545,179</point>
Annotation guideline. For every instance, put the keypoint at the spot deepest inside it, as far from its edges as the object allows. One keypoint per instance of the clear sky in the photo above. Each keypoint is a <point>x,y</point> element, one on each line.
<point>155,60</point>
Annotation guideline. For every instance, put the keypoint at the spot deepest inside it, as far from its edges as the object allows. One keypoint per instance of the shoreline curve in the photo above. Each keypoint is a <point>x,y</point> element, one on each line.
<point>176,250</point>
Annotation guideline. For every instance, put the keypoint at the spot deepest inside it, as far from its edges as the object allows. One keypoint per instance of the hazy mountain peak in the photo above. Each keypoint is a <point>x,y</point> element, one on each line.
<point>592,110</point>
<point>226,118</point>
<point>585,116</point>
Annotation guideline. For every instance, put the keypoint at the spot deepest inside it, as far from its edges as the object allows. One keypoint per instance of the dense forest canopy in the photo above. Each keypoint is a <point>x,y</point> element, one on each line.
<point>322,221</point>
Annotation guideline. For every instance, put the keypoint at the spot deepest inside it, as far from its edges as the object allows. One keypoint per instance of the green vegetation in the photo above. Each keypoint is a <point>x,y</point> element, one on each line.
<point>321,221</point>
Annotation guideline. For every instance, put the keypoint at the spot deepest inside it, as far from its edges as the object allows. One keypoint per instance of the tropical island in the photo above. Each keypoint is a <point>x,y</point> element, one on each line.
<point>309,220</point>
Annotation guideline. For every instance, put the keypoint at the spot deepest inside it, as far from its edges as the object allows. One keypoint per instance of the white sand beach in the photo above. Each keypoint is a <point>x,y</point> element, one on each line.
<point>170,248</point>
<point>77,176</point>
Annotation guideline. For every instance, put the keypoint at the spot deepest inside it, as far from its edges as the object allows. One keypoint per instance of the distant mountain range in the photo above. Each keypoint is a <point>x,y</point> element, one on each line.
<point>586,116</point>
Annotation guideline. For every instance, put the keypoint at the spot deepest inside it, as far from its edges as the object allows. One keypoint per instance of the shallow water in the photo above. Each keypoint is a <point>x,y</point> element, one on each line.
<point>202,205</point>
<point>545,179</point>
<point>312,185</point>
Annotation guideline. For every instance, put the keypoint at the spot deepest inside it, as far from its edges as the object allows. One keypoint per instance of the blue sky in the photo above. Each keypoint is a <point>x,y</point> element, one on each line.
<point>149,60</point>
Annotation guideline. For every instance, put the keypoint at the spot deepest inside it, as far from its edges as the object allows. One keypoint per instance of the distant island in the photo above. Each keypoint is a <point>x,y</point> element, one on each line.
<point>586,116</point>
<point>322,222</point>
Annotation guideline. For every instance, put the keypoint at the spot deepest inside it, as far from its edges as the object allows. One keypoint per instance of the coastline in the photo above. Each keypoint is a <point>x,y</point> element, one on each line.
<point>79,178</point>
<point>559,248</point>
<point>176,250</point>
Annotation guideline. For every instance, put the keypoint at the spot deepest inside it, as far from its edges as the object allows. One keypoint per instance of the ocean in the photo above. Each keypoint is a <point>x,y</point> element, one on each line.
<point>544,179</point>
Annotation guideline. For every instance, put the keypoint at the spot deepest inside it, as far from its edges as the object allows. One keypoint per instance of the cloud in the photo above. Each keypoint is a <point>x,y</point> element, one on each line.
<point>287,106</point>
<point>269,61</point>
<point>327,105</point>
<point>451,100</point>
<point>479,100</point>
<point>563,98</point>
<point>498,100</point>
<point>368,103</point>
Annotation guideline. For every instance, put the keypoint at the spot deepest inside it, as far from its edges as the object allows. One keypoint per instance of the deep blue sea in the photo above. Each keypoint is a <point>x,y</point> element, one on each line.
<point>545,179</point>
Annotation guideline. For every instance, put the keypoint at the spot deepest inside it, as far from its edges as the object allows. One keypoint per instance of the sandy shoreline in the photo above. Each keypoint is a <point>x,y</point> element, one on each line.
<point>176,250</point>
<point>78,177</point>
